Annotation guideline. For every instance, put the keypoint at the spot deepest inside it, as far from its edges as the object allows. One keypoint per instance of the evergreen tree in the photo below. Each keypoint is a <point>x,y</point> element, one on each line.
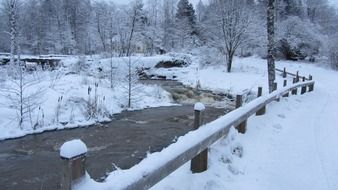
<point>186,29</point>
<point>200,10</point>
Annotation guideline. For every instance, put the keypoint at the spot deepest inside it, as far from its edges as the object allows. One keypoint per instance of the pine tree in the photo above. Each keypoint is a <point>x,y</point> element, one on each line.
<point>200,11</point>
<point>185,23</point>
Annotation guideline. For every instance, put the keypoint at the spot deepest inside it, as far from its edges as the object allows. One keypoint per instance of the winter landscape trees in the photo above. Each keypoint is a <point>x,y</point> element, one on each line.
<point>303,28</point>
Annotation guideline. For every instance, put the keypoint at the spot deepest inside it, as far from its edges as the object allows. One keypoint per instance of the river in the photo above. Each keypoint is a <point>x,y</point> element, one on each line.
<point>33,163</point>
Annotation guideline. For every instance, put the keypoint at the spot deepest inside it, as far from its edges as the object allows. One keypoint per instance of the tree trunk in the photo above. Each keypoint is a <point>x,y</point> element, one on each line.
<point>229,59</point>
<point>271,44</point>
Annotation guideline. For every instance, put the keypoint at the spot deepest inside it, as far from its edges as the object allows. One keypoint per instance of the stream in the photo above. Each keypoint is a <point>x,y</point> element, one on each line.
<point>33,163</point>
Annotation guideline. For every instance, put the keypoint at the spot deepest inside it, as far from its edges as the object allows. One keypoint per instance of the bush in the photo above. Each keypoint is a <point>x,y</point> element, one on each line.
<point>211,56</point>
<point>298,39</point>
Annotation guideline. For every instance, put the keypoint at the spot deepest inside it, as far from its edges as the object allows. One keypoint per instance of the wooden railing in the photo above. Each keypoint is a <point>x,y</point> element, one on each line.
<point>193,146</point>
<point>296,76</point>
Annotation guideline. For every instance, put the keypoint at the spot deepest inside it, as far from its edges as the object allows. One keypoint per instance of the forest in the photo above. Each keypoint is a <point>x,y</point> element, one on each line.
<point>305,29</point>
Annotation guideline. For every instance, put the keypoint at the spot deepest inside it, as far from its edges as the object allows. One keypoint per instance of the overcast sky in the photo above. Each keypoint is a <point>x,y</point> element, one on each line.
<point>333,2</point>
<point>127,1</point>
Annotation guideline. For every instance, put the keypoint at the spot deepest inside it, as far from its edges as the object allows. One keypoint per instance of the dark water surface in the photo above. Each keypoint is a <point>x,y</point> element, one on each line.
<point>33,162</point>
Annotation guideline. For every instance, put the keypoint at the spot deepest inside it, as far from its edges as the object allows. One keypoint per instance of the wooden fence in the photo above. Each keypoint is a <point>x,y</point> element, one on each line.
<point>193,146</point>
<point>296,76</point>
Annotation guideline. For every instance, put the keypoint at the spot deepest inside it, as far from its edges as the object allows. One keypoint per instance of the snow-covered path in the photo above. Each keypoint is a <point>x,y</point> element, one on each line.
<point>292,146</point>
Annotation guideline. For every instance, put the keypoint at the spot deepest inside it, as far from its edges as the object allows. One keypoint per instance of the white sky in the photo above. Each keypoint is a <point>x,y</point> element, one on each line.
<point>332,2</point>
<point>127,1</point>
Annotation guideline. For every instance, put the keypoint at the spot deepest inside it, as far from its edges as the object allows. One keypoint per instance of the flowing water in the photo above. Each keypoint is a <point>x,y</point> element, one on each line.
<point>33,162</point>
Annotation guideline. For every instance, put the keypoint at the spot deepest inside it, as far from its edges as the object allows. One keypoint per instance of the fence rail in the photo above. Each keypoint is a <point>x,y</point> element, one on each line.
<point>297,76</point>
<point>194,144</point>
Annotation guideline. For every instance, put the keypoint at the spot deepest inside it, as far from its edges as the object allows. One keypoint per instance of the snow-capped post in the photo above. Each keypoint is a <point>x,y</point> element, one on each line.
<point>303,89</point>
<point>311,86</point>
<point>284,72</point>
<point>73,154</point>
<point>241,128</point>
<point>294,91</point>
<point>285,83</point>
<point>297,76</point>
<point>200,162</point>
<point>259,94</point>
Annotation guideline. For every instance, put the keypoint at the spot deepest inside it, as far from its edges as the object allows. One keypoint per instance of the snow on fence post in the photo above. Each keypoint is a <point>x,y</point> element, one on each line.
<point>200,162</point>
<point>294,91</point>
<point>262,110</point>
<point>311,86</point>
<point>285,83</point>
<point>284,73</point>
<point>303,89</point>
<point>73,154</point>
<point>241,128</point>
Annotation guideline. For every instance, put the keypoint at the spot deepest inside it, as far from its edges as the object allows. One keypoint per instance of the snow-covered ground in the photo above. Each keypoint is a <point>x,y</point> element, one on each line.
<point>65,99</point>
<point>292,146</point>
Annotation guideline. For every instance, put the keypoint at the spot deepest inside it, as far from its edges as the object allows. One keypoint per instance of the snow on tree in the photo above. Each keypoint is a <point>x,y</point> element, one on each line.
<point>11,8</point>
<point>226,25</point>
<point>186,29</point>
<point>297,41</point>
<point>271,44</point>
<point>200,10</point>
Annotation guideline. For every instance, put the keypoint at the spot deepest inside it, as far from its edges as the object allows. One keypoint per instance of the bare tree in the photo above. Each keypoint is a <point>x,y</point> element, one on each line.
<point>234,23</point>
<point>271,43</point>
<point>136,20</point>
<point>227,22</point>
<point>23,93</point>
<point>20,89</point>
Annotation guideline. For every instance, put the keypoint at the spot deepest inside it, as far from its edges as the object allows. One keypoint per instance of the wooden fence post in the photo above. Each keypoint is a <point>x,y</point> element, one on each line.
<point>274,86</point>
<point>73,155</point>
<point>263,109</point>
<point>285,83</point>
<point>297,76</point>
<point>274,89</point>
<point>294,91</point>
<point>241,128</point>
<point>311,86</point>
<point>303,89</point>
<point>284,73</point>
<point>200,162</point>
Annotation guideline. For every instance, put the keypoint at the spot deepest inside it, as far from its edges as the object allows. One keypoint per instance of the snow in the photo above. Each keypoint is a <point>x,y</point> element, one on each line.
<point>65,99</point>
<point>73,148</point>
<point>290,147</point>
<point>287,148</point>
<point>199,106</point>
